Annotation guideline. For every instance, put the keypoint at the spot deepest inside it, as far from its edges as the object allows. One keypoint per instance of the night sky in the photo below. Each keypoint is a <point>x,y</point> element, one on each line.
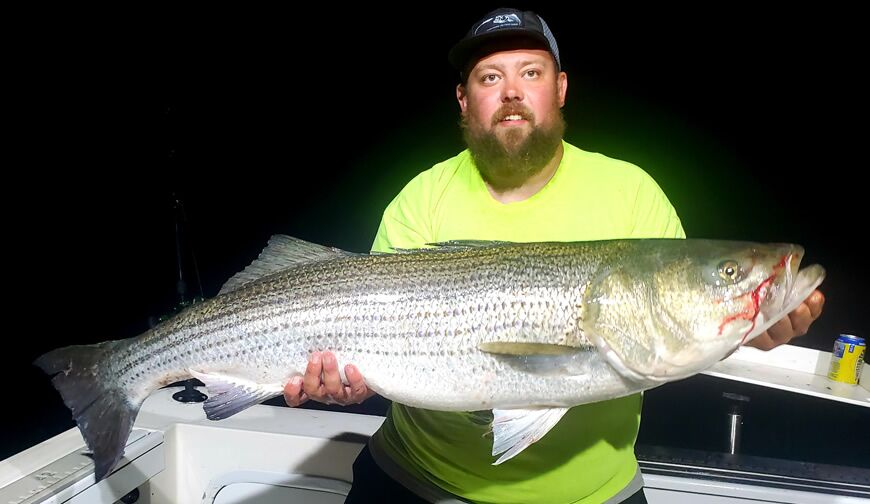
<point>753,123</point>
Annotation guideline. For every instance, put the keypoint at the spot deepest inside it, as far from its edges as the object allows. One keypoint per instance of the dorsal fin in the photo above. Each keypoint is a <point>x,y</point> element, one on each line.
<point>452,245</point>
<point>468,244</point>
<point>281,253</point>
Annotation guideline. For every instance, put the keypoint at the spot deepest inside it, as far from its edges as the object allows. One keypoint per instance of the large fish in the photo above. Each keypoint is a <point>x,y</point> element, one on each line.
<point>527,330</point>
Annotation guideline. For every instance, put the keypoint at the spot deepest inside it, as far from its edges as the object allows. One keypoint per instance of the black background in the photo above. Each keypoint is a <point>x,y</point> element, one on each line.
<point>308,121</point>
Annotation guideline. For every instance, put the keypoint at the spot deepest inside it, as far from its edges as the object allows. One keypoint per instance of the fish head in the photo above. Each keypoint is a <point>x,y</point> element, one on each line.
<point>667,309</point>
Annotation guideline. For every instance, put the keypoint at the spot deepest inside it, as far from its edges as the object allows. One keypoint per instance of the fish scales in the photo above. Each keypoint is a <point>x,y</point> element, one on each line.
<point>527,330</point>
<point>448,304</point>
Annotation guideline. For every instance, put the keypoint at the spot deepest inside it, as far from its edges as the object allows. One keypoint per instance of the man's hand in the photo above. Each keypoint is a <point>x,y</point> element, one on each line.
<point>322,382</point>
<point>796,324</point>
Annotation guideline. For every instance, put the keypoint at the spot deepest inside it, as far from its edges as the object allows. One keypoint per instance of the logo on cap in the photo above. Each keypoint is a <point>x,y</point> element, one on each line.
<point>500,21</point>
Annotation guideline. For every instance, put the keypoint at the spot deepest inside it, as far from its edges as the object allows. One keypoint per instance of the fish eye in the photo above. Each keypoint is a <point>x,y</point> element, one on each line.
<point>729,271</point>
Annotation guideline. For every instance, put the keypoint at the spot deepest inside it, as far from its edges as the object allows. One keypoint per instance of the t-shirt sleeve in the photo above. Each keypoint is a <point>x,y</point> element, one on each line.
<point>405,222</point>
<point>653,214</point>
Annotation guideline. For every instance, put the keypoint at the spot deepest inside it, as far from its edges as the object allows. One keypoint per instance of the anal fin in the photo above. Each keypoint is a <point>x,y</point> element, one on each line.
<point>228,395</point>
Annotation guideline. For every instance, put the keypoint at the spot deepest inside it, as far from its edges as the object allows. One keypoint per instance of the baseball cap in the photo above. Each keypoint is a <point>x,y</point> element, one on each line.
<point>503,29</point>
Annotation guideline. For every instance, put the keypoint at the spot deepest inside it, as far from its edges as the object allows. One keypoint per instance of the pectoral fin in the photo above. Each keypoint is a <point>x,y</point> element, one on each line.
<point>542,359</point>
<point>521,348</point>
<point>516,429</point>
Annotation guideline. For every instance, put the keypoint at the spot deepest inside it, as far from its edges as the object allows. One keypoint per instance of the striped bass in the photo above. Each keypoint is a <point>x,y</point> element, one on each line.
<point>524,329</point>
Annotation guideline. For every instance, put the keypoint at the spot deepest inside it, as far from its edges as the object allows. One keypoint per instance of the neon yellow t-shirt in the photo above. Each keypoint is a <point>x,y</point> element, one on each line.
<point>589,455</point>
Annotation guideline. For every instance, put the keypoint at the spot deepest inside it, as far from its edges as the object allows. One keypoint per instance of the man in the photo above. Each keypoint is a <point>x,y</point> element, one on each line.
<point>517,181</point>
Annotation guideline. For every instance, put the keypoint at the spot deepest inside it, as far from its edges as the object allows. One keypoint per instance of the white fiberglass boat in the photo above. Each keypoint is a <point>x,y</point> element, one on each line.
<point>270,454</point>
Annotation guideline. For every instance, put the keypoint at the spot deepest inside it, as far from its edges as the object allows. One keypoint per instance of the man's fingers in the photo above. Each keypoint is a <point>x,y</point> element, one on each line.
<point>322,382</point>
<point>781,331</point>
<point>815,302</point>
<point>800,319</point>
<point>358,388</point>
<point>311,382</point>
<point>293,394</point>
<point>332,379</point>
<point>762,342</point>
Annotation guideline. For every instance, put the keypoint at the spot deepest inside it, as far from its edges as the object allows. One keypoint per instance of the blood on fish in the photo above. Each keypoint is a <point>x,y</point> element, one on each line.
<point>751,313</point>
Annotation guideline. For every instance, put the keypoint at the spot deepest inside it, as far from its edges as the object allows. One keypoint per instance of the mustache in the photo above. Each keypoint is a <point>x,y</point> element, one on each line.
<point>509,109</point>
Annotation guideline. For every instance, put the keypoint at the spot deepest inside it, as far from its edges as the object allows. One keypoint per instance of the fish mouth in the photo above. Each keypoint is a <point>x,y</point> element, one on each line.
<point>781,293</point>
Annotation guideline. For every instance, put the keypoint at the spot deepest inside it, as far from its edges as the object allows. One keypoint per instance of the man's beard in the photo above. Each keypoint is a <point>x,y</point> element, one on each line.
<point>508,165</point>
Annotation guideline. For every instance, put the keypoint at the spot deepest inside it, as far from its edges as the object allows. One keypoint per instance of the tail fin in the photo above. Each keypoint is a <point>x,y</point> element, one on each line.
<point>102,411</point>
